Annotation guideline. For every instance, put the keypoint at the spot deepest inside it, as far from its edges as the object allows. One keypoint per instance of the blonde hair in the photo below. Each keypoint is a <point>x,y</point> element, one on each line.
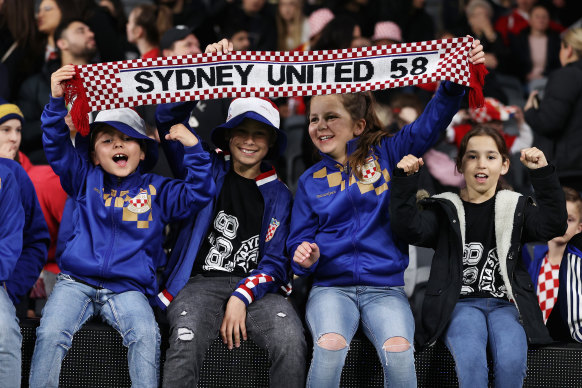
<point>573,38</point>
<point>293,29</point>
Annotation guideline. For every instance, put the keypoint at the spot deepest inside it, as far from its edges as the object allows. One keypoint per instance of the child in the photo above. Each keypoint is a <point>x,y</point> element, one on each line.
<point>234,255</point>
<point>11,228</point>
<point>554,274</point>
<point>340,231</point>
<point>108,267</point>
<point>479,292</point>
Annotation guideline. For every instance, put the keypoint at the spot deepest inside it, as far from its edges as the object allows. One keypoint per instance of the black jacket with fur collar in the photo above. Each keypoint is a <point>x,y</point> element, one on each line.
<point>439,223</point>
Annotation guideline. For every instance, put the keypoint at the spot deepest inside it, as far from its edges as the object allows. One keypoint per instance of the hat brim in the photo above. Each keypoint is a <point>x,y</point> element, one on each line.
<point>218,134</point>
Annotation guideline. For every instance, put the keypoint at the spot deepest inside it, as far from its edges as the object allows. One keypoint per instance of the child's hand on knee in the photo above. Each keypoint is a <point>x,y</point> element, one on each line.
<point>180,133</point>
<point>410,164</point>
<point>234,323</point>
<point>533,158</point>
<point>306,254</point>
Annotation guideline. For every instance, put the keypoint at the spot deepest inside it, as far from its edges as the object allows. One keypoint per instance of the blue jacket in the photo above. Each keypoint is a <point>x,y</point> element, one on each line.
<point>273,266</point>
<point>569,303</point>
<point>119,222</point>
<point>12,216</point>
<point>36,238</point>
<point>348,219</point>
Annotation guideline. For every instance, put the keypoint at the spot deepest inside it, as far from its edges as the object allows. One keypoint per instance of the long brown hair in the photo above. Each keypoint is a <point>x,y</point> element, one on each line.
<point>155,20</point>
<point>18,17</point>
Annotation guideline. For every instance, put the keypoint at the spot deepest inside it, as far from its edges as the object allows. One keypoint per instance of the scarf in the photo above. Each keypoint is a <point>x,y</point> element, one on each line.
<point>137,82</point>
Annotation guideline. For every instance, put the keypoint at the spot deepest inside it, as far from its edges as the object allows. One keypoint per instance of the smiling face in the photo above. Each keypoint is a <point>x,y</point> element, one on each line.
<point>249,143</point>
<point>48,17</point>
<point>331,126</point>
<point>117,153</point>
<point>482,165</point>
<point>10,137</point>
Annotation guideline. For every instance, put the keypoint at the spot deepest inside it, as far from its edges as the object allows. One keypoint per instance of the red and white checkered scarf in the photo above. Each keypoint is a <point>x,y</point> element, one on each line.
<point>270,74</point>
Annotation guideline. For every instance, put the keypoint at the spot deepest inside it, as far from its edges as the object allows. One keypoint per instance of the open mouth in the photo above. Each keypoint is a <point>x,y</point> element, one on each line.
<point>120,159</point>
<point>481,177</point>
<point>247,151</point>
<point>326,137</point>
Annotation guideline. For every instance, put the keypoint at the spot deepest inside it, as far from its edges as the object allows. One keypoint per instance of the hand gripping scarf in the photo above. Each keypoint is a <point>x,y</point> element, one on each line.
<point>270,74</point>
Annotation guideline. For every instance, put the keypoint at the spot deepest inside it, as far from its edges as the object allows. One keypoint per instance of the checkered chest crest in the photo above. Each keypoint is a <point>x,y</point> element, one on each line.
<point>370,170</point>
<point>139,204</point>
<point>272,228</point>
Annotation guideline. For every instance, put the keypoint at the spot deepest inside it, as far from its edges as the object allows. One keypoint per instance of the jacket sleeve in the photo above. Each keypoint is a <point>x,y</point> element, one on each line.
<point>59,149</point>
<point>36,240</point>
<point>166,116</point>
<point>180,199</point>
<point>547,218</point>
<point>273,269</point>
<point>412,225</point>
<point>304,226</point>
<point>416,138</point>
<point>571,287</point>
<point>560,97</point>
<point>12,225</point>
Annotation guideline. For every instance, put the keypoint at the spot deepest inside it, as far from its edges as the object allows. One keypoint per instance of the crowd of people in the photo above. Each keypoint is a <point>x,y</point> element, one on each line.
<point>183,212</point>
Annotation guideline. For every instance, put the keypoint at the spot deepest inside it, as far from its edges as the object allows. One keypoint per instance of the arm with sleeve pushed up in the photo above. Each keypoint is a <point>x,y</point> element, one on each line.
<point>412,225</point>
<point>273,269</point>
<point>12,216</point>
<point>417,137</point>
<point>59,150</point>
<point>304,226</point>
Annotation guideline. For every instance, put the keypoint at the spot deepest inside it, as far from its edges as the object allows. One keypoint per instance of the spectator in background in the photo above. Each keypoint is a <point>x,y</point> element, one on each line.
<point>387,33</point>
<point>145,25</point>
<point>258,19</point>
<point>292,25</point>
<point>21,48</point>
<point>557,122</point>
<point>12,215</point>
<point>555,271</point>
<point>50,14</point>
<point>238,35</point>
<point>518,19</point>
<point>179,40</point>
<point>535,51</point>
<point>76,45</point>
<point>317,22</point>
<point>51,198</point>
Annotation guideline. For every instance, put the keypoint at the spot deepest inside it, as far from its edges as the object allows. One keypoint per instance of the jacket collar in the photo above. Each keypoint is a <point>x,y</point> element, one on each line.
<point>114,182</point>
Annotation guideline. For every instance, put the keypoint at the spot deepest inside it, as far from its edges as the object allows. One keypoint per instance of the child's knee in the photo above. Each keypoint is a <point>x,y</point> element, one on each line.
<point>332,341</point>
<point>396,344</point>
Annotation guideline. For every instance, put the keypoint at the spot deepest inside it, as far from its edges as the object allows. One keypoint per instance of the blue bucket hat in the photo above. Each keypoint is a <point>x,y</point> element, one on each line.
<point>259,109</point>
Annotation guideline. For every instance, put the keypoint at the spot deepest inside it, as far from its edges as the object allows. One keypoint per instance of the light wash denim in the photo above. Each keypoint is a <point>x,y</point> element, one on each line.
<point>384,312</point>
<point>10,342</point>
<point>478,322</point>
<point>70,305</point>
<point>195,316</point>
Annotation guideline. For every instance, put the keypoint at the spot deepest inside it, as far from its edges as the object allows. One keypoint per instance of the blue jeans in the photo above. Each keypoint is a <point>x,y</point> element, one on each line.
<point>195,316</point>
<point>10,342</point>
<point>70,305</point>
<point>476,322</point>
<point>384,313</point>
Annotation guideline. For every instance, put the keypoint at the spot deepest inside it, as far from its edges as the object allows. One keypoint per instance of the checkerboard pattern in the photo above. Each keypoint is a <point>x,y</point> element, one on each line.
<point>103,84</point>
<point>548,283</point>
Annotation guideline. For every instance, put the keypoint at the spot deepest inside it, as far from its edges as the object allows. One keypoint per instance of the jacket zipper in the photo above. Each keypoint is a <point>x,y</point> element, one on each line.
<point>346,170</point>
<point>113,232</point>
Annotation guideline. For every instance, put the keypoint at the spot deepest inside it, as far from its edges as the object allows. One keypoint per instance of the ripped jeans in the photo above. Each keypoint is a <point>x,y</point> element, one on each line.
<point>70,305</point>
<point>384,313</point>
<point>195,316</point>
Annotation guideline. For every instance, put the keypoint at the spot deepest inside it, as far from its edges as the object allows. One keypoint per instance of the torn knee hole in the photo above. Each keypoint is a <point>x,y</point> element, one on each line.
<point>396,344</point>
<point>332,341</point>
<point>185,334</point>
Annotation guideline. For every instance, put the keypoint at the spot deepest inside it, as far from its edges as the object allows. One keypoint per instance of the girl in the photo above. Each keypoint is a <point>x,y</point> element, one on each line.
<point>479,292</point>
<point>340,231</point>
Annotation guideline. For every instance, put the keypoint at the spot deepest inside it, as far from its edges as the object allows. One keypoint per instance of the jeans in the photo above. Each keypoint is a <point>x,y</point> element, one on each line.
<point>195,316</point>
<point>70,305</point>
<point>477,322</point>
<point>10,342</point>
<point>384,313</point>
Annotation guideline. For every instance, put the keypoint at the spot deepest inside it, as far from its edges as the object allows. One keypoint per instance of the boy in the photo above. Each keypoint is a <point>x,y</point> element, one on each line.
<point>12,216</point>
<point>555,271</point>
<point>234,253</point>
<point>108,265</point>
